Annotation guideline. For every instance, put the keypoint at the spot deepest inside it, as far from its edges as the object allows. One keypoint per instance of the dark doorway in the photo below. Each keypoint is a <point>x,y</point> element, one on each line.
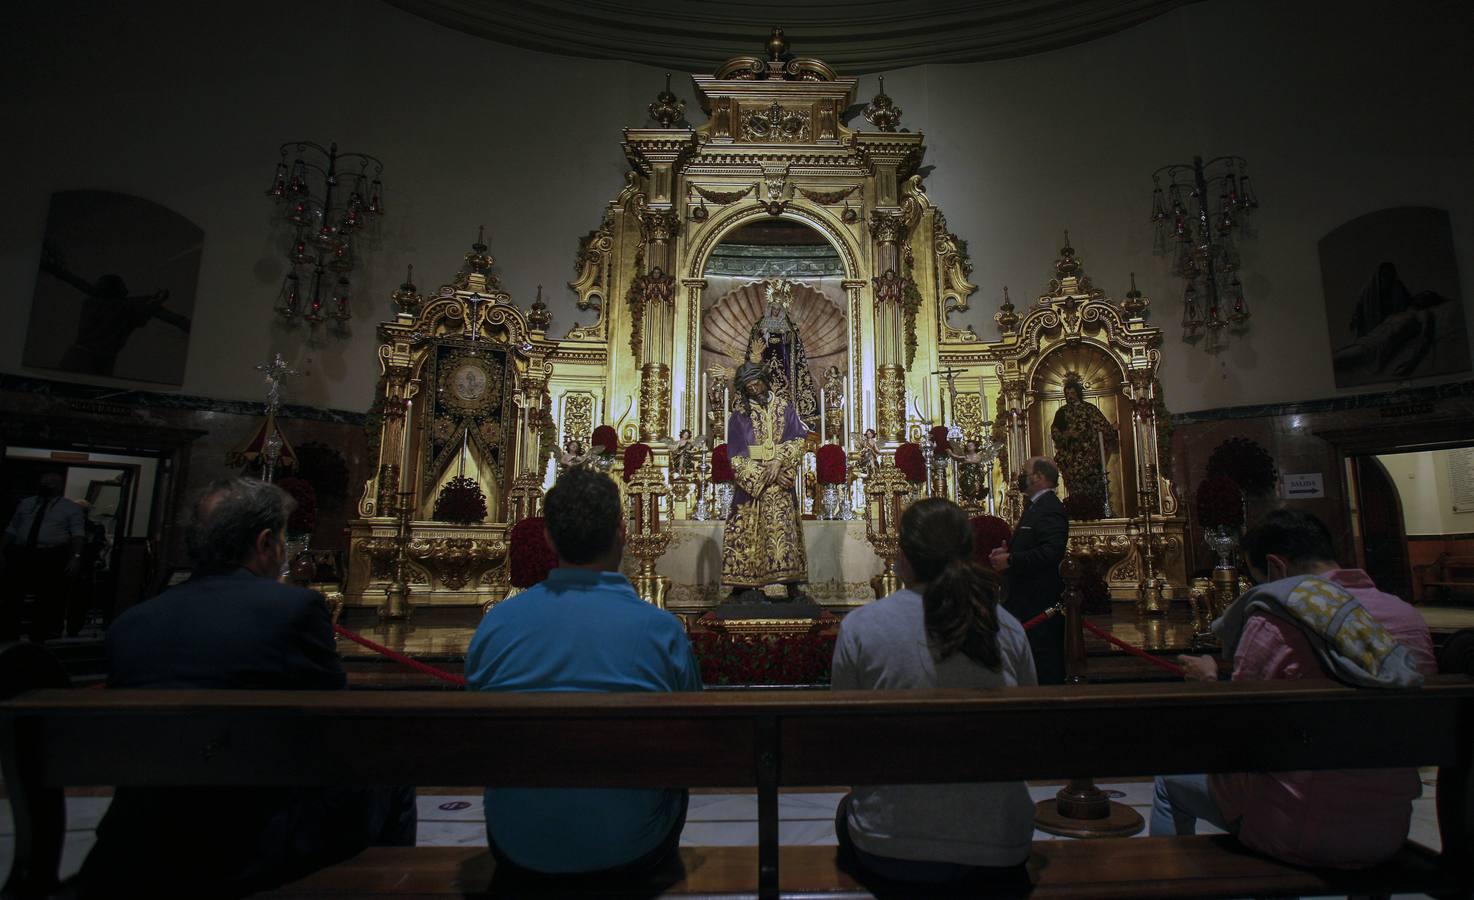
<point>1383,535</point>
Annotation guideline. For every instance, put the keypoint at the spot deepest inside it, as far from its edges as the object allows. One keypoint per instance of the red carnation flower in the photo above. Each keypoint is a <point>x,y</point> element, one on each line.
<point>939,440</point>
<point>530,557</point>
<point>304,516</point>
<point>911,463</point>
<point>830,462</point>
<point>605,439</point>
<point>635,456</point>
<point>988,533</point>
<point>721,465</point>
<point>1220,502</point>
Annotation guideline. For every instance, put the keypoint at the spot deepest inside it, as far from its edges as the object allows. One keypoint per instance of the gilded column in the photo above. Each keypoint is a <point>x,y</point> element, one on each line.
<point>1144,426</point>
<point>657,295</point>
<point>533,406</point>
<point>890,293</point>
<point>395,470</point>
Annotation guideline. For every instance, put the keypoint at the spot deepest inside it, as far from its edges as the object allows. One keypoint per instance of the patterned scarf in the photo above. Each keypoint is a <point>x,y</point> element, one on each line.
<point>1351,644</point>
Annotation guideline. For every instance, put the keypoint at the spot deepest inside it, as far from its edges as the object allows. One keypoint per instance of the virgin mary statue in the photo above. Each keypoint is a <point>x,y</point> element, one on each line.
<point>774,343</point>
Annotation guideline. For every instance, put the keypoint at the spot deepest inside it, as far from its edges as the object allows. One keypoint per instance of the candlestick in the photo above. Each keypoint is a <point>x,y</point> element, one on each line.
<point>404,437</point>
<point>823,414</point>
<point>701,424</point>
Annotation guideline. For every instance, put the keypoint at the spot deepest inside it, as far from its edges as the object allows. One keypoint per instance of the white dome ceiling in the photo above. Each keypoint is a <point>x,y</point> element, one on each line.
<point>854,36</point>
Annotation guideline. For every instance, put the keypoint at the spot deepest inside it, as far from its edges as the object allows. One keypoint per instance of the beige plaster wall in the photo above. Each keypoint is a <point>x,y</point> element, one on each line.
<point>186,107</point>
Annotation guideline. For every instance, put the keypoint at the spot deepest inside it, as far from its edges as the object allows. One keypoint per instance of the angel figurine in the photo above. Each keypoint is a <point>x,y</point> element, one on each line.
<point>971,479</point>
<point>869,453</point>
<point>574,456</point>
<point>683,454</point>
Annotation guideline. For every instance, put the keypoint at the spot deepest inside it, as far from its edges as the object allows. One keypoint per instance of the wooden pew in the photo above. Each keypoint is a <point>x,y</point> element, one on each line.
<point>51,738</point>
<point>1446,577</point>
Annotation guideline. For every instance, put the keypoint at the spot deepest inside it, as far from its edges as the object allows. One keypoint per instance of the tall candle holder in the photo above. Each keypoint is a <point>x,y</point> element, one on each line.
<point>647,495</point>
<point>397,605</point>
<point>887,494</point>
<point>1151,596</point>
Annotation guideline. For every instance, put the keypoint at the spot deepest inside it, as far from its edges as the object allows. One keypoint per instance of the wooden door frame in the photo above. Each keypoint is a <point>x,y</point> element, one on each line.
<point>1394,436</point>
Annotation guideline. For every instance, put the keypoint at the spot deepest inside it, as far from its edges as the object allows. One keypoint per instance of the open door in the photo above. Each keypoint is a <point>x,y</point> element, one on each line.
<point>1383,536</point>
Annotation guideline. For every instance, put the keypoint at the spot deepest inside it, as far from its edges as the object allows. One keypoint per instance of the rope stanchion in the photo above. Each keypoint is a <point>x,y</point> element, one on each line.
<point>400,657</point>
<point>1134,651</point>
<point>1049,613</point>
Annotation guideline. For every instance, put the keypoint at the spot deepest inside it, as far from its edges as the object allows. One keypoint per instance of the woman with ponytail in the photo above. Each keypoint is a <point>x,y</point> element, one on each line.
<point>944,629</point>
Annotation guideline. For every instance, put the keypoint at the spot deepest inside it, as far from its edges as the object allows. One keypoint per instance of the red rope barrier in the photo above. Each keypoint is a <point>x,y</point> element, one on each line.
<point>400,657</point>
<point>1049,613</point>
<point>1134,651</point>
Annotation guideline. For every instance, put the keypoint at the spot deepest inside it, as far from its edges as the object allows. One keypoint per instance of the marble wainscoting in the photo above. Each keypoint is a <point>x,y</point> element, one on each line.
<point>1315,436</point>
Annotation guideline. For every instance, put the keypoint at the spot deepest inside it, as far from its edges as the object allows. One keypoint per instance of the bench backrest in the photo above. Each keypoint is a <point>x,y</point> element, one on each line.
<point>714,740</point>
<point>50,738</point>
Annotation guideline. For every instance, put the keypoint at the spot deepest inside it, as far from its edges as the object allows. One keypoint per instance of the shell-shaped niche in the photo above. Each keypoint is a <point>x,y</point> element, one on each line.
<point>727,324</point>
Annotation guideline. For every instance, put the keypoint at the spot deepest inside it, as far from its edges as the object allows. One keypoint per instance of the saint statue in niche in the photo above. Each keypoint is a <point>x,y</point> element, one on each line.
<point>1083,440</point>
<point>775,344</point>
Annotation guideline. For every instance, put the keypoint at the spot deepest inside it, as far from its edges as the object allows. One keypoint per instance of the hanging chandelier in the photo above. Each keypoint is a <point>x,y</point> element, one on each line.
<point>1200,238</point>
<point>327,212</point>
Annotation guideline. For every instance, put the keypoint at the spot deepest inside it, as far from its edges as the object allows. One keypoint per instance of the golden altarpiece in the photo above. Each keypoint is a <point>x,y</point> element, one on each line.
<point>473,386</point>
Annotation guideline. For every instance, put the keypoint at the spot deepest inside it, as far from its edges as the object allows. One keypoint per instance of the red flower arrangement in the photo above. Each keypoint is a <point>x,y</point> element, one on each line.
<point>530,559</point>
<point>911,463</point>
<point>939,440</point>
<point>460,502</point>
<point>764,658</point>
<point>304,517</point>
<point>1248,464</point>
<point>635,456</point>
<point>830,463</point>
<point>605,440</point>
<point>988,533</point>
<point>1220,503</point>
<point>721,465</point>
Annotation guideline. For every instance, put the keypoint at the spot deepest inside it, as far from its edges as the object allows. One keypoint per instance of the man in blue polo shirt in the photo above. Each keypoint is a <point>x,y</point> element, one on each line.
<point>583,629</point>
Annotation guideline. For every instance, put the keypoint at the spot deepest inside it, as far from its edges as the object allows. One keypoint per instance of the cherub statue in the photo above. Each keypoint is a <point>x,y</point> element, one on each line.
<point>971,484</point>
<point>683,454</point>
<point>574,456</point>
<point>869,453</point>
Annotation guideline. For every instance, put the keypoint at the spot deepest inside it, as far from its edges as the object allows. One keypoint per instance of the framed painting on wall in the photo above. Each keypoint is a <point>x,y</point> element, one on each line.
<point>1393,302</point>
<point>115,292</point>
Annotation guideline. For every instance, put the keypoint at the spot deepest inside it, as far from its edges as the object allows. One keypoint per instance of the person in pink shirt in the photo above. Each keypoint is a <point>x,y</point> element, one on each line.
<point>1342,818</point>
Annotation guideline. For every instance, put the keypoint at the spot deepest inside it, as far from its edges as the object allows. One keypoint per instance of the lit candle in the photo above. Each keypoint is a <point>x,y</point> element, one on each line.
<point>701,423</point>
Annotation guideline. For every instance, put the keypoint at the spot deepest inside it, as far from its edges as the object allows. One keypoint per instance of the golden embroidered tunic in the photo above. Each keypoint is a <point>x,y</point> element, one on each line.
<point>763,542</point>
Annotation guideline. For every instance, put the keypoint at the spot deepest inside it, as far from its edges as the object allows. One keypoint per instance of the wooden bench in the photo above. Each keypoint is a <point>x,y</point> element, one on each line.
<point>1449,574</point>
<point>52,738</point>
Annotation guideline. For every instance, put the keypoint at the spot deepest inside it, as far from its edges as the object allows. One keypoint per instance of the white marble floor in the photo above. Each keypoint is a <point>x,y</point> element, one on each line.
<point>714,819</point>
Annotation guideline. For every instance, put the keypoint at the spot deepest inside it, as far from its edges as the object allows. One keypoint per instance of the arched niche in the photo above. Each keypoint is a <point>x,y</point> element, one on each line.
<point>1104,380</point>
<point>739,254</point>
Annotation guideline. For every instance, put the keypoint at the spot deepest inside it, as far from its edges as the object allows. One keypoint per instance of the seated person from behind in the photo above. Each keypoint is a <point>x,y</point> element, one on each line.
<point>233,625</point>
<point>583,629</point>
<point>944,629</point>
<point>1345,819</point>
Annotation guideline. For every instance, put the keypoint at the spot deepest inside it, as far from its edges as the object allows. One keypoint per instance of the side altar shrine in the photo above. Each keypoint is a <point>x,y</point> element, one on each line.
<point>773,233</point>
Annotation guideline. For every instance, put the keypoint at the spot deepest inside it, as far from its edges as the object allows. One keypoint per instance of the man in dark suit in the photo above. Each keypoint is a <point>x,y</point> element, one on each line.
<point>233,625</point>
<point>1031,566</point>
